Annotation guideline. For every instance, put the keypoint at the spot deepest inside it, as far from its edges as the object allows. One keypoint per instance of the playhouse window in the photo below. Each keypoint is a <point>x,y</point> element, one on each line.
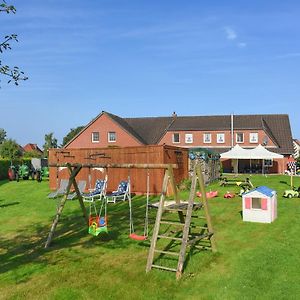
<point>95,137</point>
<point>207,137</point>
<point>111,137</point>
<point>176,138</point>
<point>189,138</point>
<point>256,203</point>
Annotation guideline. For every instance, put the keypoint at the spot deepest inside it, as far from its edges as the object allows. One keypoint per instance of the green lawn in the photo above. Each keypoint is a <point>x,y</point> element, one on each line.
<point>254,261</point>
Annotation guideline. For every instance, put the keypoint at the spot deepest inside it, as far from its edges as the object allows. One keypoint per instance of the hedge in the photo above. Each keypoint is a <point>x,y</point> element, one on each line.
<point>5,164</point>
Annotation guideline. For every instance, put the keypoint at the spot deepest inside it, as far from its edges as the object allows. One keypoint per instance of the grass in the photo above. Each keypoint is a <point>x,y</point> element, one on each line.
<point>254,261</point>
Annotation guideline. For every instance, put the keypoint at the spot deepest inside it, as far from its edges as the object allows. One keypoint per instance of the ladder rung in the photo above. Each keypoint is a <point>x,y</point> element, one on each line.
<point>196,226</point>
<point>169,237</point>
<point>167,252</point>
<point>164,268</point>
<point>172,223</point>
<point>199,237</point>
<point>202,247</point>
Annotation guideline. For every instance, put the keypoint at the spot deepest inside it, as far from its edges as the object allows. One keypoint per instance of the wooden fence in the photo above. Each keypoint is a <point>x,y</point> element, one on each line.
<point>160,154</point>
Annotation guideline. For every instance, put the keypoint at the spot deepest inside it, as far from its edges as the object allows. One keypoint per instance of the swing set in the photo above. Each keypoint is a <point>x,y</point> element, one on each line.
<point>97,222</point>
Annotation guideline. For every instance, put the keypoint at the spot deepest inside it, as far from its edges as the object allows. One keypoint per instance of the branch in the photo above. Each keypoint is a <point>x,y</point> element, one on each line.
<point>5,44</point>
<point>15,74</point>
<point>7,8</point>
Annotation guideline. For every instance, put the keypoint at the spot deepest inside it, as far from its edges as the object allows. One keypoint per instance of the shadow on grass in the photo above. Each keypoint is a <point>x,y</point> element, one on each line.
<point>2,182</point>
<point>9,204</point>
<point>23,249</point>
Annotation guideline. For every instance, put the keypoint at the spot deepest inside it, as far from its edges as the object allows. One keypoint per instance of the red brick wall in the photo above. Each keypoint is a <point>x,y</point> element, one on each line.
<point>103,125</point>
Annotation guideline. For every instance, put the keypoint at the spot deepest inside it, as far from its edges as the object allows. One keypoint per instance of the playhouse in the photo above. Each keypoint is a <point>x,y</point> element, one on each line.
<point>260,205</point>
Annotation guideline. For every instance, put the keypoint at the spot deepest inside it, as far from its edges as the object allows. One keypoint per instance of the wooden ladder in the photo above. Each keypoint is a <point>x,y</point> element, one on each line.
<point>185,213</point>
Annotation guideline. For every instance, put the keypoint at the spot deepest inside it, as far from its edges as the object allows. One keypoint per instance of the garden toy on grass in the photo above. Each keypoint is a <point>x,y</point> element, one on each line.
<point>260,205</point>
<point>209,195</point>
<point>292,193</point>
<point>229,195</point>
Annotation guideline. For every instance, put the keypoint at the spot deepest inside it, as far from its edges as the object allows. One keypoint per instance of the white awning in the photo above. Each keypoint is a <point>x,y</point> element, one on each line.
<point>237,152</point>
<point>259,152</point>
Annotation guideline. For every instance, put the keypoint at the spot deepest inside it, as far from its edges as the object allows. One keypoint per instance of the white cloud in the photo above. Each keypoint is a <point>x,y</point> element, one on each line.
<point>230,33</point>
<point>241,45</point>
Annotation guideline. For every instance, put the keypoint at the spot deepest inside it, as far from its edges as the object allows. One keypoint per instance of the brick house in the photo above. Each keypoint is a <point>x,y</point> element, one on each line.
<point>32,148</point>
<point>218,133</point>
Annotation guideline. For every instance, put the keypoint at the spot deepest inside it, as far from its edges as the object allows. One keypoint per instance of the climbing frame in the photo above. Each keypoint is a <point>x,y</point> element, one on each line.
<point>183,236</point>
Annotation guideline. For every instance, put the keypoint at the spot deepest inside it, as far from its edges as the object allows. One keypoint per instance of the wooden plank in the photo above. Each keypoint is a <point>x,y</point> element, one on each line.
<point>120,166</point>
<point>157,222</point>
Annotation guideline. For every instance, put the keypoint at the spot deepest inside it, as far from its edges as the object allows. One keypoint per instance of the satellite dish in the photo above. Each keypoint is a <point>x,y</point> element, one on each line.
<point>265,141</point>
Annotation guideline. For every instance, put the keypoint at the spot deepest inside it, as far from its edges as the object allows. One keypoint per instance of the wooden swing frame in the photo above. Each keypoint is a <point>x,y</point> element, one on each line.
<point>74,169</point>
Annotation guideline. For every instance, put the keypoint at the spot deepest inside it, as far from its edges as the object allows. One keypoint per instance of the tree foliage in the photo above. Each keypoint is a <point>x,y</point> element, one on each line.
<point>2,135</point>
<point>10,149</point>
<point>73,132</point>
<point>50,142</point>
<point>13,73</point>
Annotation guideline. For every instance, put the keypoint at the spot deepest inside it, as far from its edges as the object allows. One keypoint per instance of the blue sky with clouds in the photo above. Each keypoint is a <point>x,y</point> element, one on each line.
<point>148,58</point>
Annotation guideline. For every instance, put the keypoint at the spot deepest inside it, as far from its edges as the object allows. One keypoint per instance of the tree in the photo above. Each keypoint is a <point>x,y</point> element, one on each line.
<point>13,73</point>
<point>2,135</point>
<point>73,132</point>
<point>10,149</point>
<point>50,142</point>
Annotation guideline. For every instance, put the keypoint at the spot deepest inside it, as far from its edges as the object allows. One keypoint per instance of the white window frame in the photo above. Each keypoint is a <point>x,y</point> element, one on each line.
<point>108,137</point>
<point>218,135</point>
<point>252,134</point>
<point>173,140</point>
<point>236,137</point>
<point>204,139</point>
<point>93,139</point>
<point>189,138</point>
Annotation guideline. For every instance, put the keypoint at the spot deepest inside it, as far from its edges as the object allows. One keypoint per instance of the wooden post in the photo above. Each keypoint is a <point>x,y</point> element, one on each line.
<point>206,207</point>
<point>79,195</point>
<point>73,174</point>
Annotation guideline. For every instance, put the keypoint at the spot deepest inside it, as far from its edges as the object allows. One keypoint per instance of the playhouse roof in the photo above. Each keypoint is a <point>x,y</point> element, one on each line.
<point>263,190</point>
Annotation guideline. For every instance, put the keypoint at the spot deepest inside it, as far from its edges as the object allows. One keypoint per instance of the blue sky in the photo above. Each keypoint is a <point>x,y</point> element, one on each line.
<point>148,58</point>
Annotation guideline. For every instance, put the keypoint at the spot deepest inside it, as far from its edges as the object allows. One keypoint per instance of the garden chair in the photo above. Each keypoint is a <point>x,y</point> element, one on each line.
<point>81,188</point>
<point>61,189</point>
<point>98,192</point>
<point>122,192</point>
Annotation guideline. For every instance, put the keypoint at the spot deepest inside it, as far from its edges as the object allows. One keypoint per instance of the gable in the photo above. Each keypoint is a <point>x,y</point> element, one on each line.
<point>103,124</point>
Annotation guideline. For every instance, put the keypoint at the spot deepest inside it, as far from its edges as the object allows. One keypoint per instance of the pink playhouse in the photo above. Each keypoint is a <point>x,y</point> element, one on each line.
<point>260,205</point>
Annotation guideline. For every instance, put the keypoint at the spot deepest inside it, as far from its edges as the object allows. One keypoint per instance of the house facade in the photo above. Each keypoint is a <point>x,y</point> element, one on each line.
<point>217,133</point>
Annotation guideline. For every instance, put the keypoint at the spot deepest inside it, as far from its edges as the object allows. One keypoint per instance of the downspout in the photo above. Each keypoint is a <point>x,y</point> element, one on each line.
<point>232,131</point>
